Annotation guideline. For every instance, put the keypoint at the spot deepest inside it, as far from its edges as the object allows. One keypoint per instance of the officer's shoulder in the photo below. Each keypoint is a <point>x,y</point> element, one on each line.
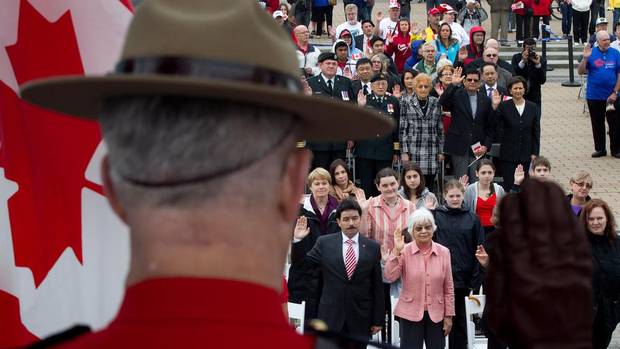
<point>61,337</point>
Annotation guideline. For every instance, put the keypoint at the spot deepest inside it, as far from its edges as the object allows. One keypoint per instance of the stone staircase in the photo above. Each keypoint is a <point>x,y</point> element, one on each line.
<point>557,56</point>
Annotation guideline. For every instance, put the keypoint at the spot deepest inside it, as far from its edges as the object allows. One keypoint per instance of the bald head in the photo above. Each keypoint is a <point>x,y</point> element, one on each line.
<point>490,55</point>
<point>602,38</point>
<point>492,43</point>
<point>302,34</point>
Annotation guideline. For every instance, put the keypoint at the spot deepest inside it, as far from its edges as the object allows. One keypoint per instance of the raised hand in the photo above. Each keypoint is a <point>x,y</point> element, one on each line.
<point>361,98</point>
<point>464,180</point>
<point>430,202</point>
<point>482,256</point>
<point>415,27</point>
<point>378,17</point>
<point>396,91</point>
<point>399,240</point>
<point>301,228</point>
<point>543,249</point>
<point>519,175</point>
<point>462,53</point>
<point>496,98</point>
<point>457,76</point>
<point>306,87</point>
<point>587,51</point>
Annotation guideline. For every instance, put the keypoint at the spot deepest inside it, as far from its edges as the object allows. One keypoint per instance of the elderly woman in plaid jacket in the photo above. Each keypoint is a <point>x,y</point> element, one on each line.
<point>421,128</point>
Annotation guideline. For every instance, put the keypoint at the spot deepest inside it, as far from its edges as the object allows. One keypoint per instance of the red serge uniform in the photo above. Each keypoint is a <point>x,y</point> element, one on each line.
<point>194,313</point>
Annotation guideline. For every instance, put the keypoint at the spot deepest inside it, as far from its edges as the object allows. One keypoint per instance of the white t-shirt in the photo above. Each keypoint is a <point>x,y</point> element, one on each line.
<point>355,29</point>
<point>387,26</point>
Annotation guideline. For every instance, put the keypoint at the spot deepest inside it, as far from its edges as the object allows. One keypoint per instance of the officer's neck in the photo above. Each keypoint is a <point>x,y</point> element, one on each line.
<point>170,244</point>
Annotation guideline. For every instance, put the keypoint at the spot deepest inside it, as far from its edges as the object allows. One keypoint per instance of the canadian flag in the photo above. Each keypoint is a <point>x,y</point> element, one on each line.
<point>63,254</point>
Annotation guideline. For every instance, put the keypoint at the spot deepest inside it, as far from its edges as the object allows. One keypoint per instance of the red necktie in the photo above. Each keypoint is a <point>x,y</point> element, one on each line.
<point>350,260</point>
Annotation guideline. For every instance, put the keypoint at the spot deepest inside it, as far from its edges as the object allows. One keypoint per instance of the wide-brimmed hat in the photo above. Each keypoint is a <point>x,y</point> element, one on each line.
<point>224,49</point>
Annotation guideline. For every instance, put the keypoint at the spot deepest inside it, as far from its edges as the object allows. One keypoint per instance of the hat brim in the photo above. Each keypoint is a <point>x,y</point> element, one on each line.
<point>323,119</point>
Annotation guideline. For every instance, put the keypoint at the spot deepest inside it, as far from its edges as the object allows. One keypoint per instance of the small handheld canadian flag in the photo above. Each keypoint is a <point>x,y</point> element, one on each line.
<point>63,255</point>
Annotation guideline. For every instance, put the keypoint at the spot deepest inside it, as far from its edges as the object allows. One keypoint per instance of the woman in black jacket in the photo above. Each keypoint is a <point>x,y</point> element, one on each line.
<point>318,214</point>
<point>599,223</point>
<point>460,231</point>
<point>518,130</point>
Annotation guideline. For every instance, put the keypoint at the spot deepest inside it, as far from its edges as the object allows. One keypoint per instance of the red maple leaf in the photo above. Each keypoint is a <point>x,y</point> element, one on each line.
<point>45,153</point>
<point>14,334</point>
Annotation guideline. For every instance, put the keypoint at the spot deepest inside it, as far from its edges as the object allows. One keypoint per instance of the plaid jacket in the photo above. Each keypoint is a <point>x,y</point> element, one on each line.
<point>421,135</point>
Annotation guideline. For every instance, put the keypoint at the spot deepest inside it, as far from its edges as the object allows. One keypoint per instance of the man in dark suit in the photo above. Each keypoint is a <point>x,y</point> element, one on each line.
<point>363,41</point>
<point>471,131</point>
<point>352,295</point>
<point>363,67</point>
<point>533,69</point>
<point>489,77</point>
<point>374,154</point>
<point>328,84</point>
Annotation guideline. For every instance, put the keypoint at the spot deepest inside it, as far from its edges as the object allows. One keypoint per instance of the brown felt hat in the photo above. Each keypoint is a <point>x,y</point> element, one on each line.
<point>225,49</point>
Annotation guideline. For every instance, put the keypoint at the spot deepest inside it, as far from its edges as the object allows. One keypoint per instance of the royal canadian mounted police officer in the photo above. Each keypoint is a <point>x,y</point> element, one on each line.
<point>380,151</point>
<point>202,166</point>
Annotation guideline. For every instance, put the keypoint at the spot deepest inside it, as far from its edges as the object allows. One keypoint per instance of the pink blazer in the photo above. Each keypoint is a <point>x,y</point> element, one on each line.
<point>409,266</point>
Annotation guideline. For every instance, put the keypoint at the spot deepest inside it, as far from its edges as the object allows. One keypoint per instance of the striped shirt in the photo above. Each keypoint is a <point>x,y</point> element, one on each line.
<point>381,220</point>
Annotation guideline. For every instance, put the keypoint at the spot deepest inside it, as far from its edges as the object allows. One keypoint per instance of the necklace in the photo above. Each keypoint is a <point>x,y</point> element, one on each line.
<point>391,205</point>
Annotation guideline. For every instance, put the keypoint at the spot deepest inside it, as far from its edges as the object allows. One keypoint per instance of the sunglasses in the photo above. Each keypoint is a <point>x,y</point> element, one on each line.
<point>472,80</point>
<point>491,55</point>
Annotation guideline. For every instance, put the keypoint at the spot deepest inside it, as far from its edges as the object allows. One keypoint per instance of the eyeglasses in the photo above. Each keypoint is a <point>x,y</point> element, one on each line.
<point>472,80</point>
<point>583,185</point>
<point>491,55</point>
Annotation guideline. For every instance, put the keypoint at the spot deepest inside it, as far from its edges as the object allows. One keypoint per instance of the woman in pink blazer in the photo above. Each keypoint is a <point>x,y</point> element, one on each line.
<point>426,303</point>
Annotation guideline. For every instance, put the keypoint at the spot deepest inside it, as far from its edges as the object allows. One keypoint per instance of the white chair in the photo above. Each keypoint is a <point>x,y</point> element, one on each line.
<point>296,314</point>
<point>474,304</point>
<point>395,324</point>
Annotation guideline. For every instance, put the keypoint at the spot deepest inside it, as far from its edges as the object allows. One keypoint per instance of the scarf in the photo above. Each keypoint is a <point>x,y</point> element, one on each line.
<point>332,204</point>
<point>342,194</point>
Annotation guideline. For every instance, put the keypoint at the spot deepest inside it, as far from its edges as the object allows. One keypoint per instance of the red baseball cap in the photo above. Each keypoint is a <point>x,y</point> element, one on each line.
<point>434,11</point>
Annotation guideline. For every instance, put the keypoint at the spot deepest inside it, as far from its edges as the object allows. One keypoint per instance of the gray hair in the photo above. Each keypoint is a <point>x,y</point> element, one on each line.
<point>600,33</point>
<point>181,142</point>
<point>349,7</point>
<point>420,215</point>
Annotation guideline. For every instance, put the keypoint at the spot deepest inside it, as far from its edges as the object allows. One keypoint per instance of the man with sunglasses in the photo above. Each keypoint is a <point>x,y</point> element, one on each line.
<point>470,134</point>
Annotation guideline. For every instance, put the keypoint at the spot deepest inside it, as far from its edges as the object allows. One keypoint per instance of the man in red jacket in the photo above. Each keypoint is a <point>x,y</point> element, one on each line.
<point>203,168</point>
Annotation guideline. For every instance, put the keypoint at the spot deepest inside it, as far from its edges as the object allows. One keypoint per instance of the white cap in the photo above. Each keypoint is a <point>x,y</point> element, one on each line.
<point>394,4</point>
<point>470,1</point>
<point>277,14</point>
<point>601,20</point>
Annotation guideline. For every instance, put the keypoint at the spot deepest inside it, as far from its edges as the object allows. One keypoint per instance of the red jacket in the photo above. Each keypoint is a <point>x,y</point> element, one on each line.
<point>527,4</point>
<point>541,8</point>
<point>400,47</point>
<point>193,313</point>
<point>473,51</point>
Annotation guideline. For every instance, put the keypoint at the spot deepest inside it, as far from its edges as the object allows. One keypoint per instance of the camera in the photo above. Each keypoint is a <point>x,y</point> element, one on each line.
<point>531,54</point>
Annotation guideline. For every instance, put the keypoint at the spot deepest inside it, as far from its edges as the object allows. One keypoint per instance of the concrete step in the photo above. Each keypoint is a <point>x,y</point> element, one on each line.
<point>557,53</point>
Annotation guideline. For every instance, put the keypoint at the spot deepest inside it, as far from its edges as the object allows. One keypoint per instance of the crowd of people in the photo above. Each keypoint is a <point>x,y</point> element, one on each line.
<point>460,111</point>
